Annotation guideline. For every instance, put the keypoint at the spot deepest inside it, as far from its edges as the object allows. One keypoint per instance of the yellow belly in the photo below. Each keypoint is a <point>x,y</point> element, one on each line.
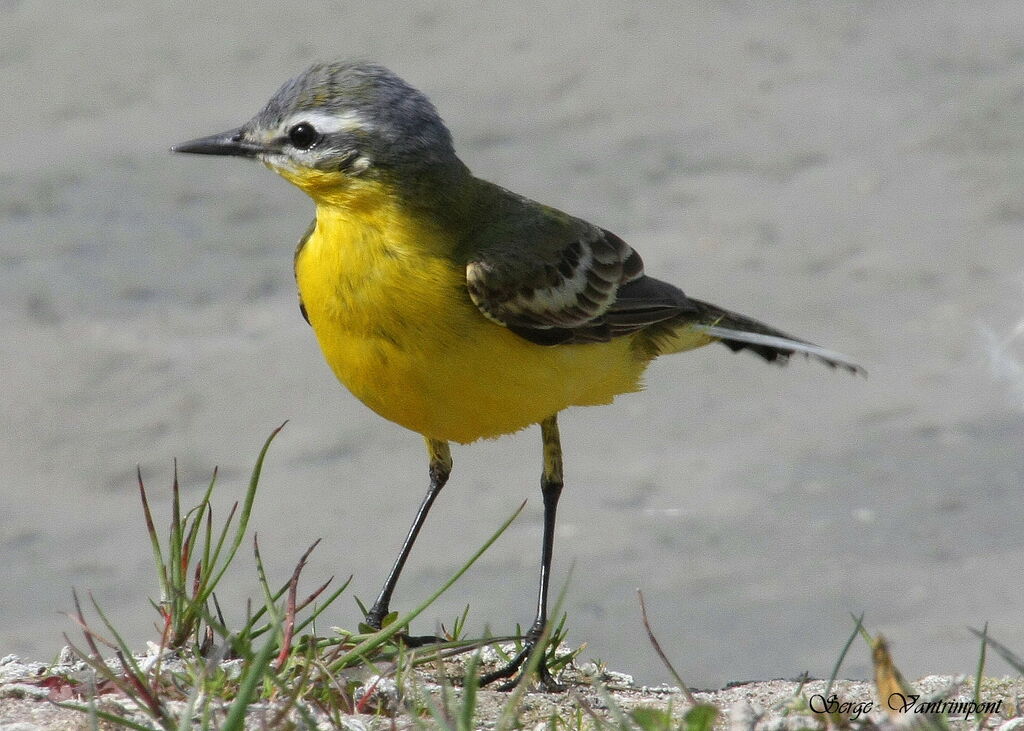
<point>398,329</point>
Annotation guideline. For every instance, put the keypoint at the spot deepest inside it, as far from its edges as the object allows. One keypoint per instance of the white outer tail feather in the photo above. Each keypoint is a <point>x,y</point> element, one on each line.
<point>774,341</point>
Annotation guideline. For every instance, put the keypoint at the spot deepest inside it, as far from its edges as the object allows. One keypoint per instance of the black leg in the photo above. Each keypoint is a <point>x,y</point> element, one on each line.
<point>440,468</point>
<point>551,490</point>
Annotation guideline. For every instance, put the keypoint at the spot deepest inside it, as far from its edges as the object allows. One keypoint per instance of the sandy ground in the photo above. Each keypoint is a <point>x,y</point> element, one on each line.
<point>851,173</point>
<point>592,697</point>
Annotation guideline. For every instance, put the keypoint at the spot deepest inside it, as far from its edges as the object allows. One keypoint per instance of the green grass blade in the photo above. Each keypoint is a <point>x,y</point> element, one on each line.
<point>981,663</point>
<point>235,720</point>
<point>175,509</point>
<point>243,517</point>
<point>331,598</point>
<point>207,539</point>
<point>250,627</point>
<point>212,557</point>
<point>981,673</point>
<point>1015,661</point>
<point>118,640</point>
<point>154,539</point>
<point>470,685</point>
<point>842,655</point>
<point>269,598</point>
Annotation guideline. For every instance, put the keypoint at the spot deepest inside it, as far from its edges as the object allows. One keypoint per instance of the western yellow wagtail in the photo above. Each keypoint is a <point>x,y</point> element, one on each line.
<point>452,306</point>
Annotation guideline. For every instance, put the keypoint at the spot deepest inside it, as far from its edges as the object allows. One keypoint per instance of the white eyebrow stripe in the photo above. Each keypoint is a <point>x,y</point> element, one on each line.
<point>349,121</point>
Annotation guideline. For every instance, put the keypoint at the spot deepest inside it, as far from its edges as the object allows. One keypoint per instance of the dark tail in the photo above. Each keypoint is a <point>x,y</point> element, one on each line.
<point>739,332</point>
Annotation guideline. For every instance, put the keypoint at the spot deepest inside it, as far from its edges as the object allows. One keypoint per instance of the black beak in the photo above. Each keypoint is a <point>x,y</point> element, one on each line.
<point>231,142</point>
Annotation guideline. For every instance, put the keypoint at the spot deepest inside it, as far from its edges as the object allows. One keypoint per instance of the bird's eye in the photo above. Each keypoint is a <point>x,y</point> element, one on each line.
<point>303,135</point>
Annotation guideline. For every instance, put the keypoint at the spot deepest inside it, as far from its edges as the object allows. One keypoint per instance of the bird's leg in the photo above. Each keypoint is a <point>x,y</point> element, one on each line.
<point>551,490</point>
<point>440,467</point>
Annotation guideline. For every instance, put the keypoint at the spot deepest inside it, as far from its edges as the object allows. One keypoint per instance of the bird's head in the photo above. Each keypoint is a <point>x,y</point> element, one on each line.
<point>338,127</point>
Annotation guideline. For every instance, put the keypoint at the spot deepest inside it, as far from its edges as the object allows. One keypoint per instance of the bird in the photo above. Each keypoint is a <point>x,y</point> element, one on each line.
<point>454,307</point>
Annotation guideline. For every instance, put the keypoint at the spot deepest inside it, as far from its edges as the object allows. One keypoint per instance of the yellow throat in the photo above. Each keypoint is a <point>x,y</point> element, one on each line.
<point>386,295</point>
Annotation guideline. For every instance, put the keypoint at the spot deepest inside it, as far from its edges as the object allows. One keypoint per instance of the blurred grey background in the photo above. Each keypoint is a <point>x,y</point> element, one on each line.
<point>851,173</point>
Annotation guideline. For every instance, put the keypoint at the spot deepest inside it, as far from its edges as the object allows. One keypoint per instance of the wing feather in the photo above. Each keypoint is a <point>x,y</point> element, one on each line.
<point>571,286</point>
<point>556,280</point>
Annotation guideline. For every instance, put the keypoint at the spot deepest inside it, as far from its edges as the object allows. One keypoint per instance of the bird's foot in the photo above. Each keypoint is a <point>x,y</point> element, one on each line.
<point>413,641</point>
<point>376,620</point>
<point>378,617</point>
<point>513,671</point>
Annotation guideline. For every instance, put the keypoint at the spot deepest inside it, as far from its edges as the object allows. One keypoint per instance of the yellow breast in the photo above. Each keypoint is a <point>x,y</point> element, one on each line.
<point>390,309</point>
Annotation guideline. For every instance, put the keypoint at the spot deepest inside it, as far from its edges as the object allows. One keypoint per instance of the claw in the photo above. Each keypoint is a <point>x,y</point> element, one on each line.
<point>373,622</point>
<point>514,671</point>
<point>421,640</point>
